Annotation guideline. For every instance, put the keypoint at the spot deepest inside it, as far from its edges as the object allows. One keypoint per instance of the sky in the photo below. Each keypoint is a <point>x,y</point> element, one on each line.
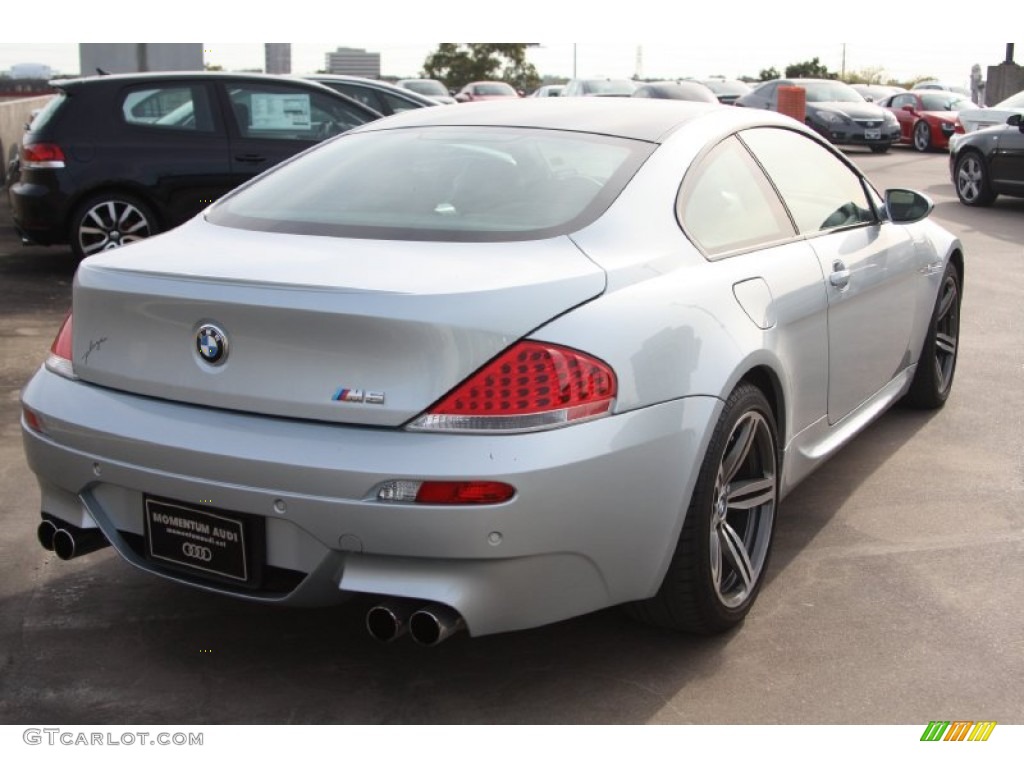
<point>698,39</point>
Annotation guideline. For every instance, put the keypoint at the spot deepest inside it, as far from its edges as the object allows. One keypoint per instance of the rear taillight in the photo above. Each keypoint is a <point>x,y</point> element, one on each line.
<point>531,386</point>
<point>59,359</point>
<point>958,127</point>
<point>42,156</point>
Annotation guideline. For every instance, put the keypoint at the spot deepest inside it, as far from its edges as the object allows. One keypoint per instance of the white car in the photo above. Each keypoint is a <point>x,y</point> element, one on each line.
<point>986,117</point>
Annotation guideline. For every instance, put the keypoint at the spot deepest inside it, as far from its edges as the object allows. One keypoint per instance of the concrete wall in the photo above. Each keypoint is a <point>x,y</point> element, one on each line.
<point>1003,81</point>
<point>13,116</point>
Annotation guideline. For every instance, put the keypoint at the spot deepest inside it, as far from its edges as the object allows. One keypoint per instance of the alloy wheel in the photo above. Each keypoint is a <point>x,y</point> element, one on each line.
<point>744,509</point>
<point>947,333</point>
<point>110,224</point>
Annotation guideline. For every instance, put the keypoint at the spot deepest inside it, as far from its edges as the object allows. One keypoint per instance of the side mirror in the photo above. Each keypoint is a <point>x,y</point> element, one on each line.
<point>1014,120</point>
<point>905,206</point>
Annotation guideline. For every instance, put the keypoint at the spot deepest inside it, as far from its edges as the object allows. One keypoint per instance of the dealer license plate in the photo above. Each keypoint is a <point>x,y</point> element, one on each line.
<point>208,542</point>
<point>872,133</point>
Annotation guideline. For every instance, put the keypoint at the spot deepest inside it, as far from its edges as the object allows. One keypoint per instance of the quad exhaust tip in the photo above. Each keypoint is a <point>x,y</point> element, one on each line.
<point>428,625</point>
<point>68,541</point>
<point>389,620</point>
<point>432,625</point>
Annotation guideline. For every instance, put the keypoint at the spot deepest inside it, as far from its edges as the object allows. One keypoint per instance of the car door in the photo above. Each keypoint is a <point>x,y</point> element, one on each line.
<point>874,276</point>
<point>171,140</point>
<point>271,121</point>
<point>904,106</point>
<point>1007,161</point>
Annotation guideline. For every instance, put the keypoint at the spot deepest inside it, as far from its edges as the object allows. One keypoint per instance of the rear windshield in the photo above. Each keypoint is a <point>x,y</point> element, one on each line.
<point>440,183</point>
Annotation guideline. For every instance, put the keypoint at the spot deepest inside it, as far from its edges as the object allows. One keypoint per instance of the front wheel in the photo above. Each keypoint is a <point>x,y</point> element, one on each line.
<point>719,562</point>
<point>972,182</point>
<point>922,137</point>
<point>933,379</point>
<point>109,221</point>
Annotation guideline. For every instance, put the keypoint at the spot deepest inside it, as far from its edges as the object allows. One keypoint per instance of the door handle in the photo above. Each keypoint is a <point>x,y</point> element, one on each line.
<point>251,158</point>
<point>840,276</point>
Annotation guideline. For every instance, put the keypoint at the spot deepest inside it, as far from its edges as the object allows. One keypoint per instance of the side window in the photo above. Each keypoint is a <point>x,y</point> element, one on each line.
<point>168,107</point>
<point>363,95</point>
<point>901,102</point>
<point>290,114</point>
<point>726,203</point>
<point>396,103</point>
<point>820,190</point>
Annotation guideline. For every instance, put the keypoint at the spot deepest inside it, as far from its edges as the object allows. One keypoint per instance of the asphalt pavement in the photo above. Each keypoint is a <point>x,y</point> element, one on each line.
<point>894,594</point>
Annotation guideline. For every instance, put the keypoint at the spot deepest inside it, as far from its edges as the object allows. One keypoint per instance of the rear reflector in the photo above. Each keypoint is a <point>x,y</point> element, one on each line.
<point>42,156</point>
<point>445,492</point>
<point>531,386</point>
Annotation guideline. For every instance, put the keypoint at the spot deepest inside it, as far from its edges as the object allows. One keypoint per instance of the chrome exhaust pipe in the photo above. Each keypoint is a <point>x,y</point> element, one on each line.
<point>70,542</point>
<point>389,620</point>
<point>45,533</point>
<point>433,624</point>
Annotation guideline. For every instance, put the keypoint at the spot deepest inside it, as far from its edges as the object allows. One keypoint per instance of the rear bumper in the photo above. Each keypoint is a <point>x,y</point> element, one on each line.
<point>595,518</point>
<point>39,213</point>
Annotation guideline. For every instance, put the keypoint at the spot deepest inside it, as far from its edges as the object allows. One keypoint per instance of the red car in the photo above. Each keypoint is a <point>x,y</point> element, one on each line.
<point>486,91</point>
<point>926,117</point>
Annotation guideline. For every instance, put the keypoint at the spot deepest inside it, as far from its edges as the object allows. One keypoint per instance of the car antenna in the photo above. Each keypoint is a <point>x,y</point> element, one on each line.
<point>101,71</point>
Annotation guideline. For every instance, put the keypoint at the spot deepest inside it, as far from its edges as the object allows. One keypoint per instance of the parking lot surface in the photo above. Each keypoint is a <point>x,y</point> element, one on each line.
<point>894,593</point>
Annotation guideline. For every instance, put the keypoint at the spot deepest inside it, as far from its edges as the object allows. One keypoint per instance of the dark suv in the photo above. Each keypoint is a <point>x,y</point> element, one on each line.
<point>116,158</point>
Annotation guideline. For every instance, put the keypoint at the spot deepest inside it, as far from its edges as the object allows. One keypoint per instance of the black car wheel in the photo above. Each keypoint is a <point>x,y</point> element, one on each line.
<point>719,563</point>
<point>933,379</point>
<point>971,178</point>
<point>109,221</point>
<point>922,137</point>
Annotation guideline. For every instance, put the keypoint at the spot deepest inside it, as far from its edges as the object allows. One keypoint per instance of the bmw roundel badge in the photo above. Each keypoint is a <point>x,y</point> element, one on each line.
<point>212,344</point>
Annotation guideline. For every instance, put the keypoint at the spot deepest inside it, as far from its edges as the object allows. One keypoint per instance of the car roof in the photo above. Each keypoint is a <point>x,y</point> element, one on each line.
<point>644,119</point>
<point>142,77</point>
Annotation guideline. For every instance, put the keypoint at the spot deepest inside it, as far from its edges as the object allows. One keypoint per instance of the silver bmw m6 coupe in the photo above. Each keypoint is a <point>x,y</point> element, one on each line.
<point>498,364</point>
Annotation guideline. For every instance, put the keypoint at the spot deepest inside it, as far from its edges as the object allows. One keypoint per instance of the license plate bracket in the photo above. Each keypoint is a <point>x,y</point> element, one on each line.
<point>209,543</point>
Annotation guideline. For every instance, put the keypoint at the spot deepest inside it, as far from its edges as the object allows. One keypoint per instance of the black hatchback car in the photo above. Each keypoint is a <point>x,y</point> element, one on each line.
<point>117,158</point>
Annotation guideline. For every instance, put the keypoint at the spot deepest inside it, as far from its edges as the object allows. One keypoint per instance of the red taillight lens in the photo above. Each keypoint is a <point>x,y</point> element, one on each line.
<point>42,156</point>
<point>530,386</point>
<point>466,492</point>
<point>59,359</point>
<point>958,127</point>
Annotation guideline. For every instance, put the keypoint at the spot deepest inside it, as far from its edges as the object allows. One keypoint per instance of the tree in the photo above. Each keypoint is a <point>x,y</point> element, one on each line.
<point>769,74</point>
<point>459,63</point>
<point>812,68</point>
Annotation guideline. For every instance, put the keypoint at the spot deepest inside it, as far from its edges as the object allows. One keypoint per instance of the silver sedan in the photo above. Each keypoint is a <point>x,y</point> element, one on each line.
<point>498,364</point>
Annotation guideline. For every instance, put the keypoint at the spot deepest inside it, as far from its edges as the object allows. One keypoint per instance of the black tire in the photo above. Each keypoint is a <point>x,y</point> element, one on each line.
<point>108,221</point>
<point>880,149</point>
<point>970,177</point>
<point>720,560</point>
<point>933,379</point>
<point>922,136</point>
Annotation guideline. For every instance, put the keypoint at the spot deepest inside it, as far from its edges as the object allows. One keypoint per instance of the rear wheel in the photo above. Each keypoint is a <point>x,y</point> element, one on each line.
<point>922,137</point>
<point>719,563</point>
<point>109,221</point>
<point>933,379</point>
<point>972,182</point>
